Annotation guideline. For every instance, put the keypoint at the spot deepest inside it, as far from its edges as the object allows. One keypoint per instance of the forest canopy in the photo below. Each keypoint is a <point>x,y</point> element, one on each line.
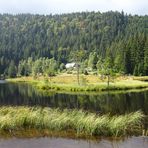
<point>112,38</point>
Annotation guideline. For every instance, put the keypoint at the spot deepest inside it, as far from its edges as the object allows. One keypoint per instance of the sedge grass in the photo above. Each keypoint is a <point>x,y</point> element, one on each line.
<point>80,122</point>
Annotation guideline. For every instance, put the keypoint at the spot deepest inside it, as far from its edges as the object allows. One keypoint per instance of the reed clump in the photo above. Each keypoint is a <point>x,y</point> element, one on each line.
<point>91,124</point>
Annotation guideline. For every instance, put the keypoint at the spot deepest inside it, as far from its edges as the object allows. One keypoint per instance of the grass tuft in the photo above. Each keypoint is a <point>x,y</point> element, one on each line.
<point>91,124</point>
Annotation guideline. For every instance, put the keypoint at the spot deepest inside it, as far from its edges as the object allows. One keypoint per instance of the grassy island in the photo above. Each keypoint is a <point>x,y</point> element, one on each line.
<point>78,122</point>
<point>67,82</point>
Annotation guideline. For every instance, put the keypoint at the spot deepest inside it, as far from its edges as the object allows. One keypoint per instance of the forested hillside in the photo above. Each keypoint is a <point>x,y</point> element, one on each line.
<point>112,38</point>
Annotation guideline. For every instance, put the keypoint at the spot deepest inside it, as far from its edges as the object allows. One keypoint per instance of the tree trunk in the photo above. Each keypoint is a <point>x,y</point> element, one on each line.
<point>108,80</point>
<point>78,77</point>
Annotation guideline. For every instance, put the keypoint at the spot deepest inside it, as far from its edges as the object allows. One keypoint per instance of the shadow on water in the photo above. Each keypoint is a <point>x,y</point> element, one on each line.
<point>19,94</point>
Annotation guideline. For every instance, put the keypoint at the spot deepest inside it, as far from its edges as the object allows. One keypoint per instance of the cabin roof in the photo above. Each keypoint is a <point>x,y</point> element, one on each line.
<point>70,65</point>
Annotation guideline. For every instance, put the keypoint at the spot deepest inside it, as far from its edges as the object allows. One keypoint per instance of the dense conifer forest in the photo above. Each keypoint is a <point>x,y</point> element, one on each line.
<point>38,43</point>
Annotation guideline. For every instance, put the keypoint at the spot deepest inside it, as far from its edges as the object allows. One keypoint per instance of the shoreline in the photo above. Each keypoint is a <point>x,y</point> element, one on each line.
<point>118,85</point>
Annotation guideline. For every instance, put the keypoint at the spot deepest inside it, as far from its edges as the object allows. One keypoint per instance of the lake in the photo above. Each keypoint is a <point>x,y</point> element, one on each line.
<point>49,142</point>
<point>22,94</point>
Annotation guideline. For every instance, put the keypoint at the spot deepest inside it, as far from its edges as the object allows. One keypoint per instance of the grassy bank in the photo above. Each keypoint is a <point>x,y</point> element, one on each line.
<point>78,122</point>
<point>69,83</point>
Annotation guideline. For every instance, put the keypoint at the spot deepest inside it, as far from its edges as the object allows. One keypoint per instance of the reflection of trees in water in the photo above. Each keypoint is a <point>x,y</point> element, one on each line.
<point>16,94</point>
<point>121,103</point>
<point>23,94</point>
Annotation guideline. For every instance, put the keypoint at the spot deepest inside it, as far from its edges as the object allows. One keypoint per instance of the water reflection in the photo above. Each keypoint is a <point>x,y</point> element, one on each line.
<point>23,94</point>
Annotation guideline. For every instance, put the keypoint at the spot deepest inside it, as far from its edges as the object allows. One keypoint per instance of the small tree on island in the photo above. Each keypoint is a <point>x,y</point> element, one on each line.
<point>77,56</point>
<point>106,69</point>
<point>51,68</point>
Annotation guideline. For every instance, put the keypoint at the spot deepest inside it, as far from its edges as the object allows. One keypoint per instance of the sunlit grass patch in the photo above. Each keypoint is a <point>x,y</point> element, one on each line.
<point>93,83</point>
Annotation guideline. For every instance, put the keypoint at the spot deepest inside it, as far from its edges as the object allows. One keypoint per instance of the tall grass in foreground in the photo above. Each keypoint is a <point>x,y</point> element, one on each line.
<point>17,118</point>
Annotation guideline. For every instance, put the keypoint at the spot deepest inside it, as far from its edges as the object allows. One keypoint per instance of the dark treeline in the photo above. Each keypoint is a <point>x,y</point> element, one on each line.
<point>115,38</point>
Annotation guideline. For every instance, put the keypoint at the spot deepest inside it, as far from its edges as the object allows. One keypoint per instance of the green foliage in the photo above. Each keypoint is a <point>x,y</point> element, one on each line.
<point>77,57</point>
<point>62,66</point>
<point>93,59</point>
<point>40,66</point>
<point>122,38</point>
<point>51,68</point>
<point>12,70</point>
<point>106,69</point>
<point>146,58</point>
<point>88,124</point>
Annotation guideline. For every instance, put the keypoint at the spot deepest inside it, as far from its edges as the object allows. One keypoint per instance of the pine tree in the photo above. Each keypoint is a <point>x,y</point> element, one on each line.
<point>12,70</point>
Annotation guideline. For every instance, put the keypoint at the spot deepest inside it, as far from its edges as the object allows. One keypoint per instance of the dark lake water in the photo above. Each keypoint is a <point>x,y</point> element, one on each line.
<point>12,94</point>
<point>133,142</point>
<point>113,102</point>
